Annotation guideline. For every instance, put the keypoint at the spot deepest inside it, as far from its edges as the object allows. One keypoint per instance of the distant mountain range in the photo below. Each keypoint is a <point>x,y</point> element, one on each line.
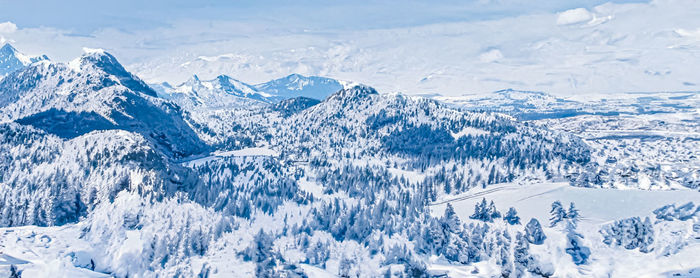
<point>294,85</point>
<point>215,91</point>
<point>531,105</point>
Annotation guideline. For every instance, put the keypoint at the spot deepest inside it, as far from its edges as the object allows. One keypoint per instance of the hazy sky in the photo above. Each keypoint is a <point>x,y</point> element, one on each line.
<point>575,47</point>
<point>83,17</point>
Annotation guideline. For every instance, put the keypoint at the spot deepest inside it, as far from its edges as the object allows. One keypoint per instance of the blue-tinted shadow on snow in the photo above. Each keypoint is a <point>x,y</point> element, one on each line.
<point>66,124</point>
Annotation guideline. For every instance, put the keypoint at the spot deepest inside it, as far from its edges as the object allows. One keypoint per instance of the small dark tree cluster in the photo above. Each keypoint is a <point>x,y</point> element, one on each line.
<point>512,217</point>
<point>630,233</point>
<point>560,214</point>
<point>484,212</point>
<point>534,233</point>
<point>682,213</point>
<point>14,273</point>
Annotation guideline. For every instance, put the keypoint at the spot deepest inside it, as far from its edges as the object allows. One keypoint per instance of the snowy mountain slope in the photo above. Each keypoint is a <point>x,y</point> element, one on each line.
<point>12,60</point>
<point>220,93</point>
<point>297,85</point>
<point>94,92</point>
<point>48,181</point>
<point>598,208</point>
<point>417,133</point>
<point>295,105</point>
<point>227,112</point>
<point>220,112</point>
<point>220,89</point>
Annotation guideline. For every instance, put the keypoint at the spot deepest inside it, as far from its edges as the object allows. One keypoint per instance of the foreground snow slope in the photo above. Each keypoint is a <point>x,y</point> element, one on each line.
<point>598,207</point>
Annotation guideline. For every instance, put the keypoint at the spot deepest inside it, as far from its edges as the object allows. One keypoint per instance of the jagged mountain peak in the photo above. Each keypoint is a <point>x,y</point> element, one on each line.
<point>215,90</point>
<point>12,60</point>
<point>7,48</point>
<point>297,85</point>
<point>235,86</point>
<point>100,62</point>
<point>224,78</point>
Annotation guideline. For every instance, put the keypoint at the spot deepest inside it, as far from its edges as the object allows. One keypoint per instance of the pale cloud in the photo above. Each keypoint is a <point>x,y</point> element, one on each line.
<point>613,48</point>
<point>491,56</point>
<point>7,27</point>
<point>574,16</point>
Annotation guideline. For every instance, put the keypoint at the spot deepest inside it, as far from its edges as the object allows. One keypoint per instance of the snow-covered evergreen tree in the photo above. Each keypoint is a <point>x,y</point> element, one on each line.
<point>318,254</point>
<point>573,214</point>
<point>574,245</point>
<point>558,214</point>
<point>534,233</point>
<point>484,212</point>
<point>512,217</point>
<point>630,233</point>
<point>451,219</point>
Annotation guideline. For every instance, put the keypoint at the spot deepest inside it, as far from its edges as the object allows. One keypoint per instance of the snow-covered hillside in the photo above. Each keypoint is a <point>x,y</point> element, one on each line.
<point>94,92</point>
<point>102,175</point>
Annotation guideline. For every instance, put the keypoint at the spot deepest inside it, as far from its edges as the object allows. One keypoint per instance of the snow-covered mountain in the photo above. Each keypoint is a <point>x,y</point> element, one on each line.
<point>94,92</point>
<point>12,60</point>
<point>221,90</point>
<point>416,133</point>
<point>297,85</point>
<point>222,83</point>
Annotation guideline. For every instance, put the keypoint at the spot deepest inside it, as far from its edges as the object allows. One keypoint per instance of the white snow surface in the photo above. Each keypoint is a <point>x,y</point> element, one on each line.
<point>598,207</point>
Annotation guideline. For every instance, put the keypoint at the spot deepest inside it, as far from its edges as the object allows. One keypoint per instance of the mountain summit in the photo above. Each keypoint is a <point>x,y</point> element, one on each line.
<point>94,92</point>
<point>99,61</point>
<point>11,60</point>
<point>297,85</point>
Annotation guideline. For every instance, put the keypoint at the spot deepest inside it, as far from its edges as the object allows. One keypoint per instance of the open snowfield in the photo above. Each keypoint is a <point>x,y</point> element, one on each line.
<point>597,207</point>
<point>245,152</point>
